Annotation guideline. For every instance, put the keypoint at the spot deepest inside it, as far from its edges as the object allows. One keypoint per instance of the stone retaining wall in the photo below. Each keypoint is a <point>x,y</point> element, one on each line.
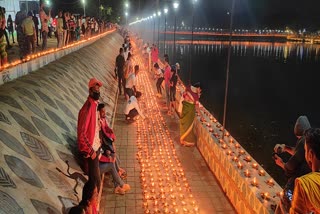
<point>38,119</point>
<point>21,69</point>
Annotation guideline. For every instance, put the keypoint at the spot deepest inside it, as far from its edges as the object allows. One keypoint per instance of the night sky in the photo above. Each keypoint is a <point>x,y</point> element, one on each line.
<point>248,13</point>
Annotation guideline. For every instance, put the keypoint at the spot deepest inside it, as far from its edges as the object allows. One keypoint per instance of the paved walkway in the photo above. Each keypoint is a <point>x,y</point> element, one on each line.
<point>164,176</point>
<point>13,53</point>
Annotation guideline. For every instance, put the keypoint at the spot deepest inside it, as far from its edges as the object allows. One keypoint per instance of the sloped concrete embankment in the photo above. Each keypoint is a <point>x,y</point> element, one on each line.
<point>38,119</point>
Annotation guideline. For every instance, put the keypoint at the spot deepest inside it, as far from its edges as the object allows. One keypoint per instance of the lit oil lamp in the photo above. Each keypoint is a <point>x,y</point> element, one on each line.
<point>237,145</point>
<point>255,166</point>
<point>229,152</point>
<point>211,130</point>
<point>214,120</point>
<point>280,194</point>
<point>227,134</point>
<point>235,159</point>
<point>262,173</point>
<point>270,182</point>
<point>247,158</point>
<point>254,182</point>
<point>224,146</point>
<point>231,140</point>
<point>247,173</point>
<point>265,196</point>
<point>208,125</point>
<point>239,165</point>
<point>241,152</point>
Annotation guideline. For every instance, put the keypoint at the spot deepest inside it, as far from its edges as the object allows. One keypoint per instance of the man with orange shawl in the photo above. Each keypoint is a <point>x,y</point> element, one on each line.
<point>306,197</point>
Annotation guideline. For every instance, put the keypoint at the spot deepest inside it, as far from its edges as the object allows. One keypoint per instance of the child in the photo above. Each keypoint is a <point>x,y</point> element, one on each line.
<point>159,77</point>
<point>108,137</point>
<point>173,84</point>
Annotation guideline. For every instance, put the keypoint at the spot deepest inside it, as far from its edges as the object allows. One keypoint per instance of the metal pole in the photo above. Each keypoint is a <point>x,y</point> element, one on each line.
<point>154,29</point>
<point>158,30</point>
<point>174,38</point>
<point>165,31</point>
<point>191,49</point>
<point>84,8</point>
<point>227,71</point>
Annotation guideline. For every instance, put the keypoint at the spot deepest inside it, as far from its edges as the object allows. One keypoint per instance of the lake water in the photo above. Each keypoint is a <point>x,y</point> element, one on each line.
<point>270,85</point>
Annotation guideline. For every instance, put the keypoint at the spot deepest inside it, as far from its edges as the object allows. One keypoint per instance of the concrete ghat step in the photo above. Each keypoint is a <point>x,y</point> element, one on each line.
<point>38,117</point>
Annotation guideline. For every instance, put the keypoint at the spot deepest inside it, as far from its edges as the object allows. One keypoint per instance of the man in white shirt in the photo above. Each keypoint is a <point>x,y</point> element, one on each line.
<point>131,82</point>
<point>132,108</point>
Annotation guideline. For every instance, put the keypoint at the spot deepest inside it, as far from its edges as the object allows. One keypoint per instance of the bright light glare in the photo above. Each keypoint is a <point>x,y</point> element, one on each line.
<point>165,10</point>
<point>159,13</point>
<point>126,13</point>
<point>127,5</point>
<point>175,5</point>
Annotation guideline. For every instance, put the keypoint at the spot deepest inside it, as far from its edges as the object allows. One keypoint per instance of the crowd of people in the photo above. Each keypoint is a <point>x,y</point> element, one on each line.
<point>301,193</point>
<point>96,140</point>
<point>33,26</point>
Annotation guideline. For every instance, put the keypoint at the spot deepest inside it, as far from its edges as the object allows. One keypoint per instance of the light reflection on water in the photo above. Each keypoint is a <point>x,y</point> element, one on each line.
<point>281,51</point>
<point>270,85</point>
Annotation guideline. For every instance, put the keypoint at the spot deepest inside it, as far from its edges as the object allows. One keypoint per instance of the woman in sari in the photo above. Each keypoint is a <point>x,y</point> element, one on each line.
<point>189,104</point>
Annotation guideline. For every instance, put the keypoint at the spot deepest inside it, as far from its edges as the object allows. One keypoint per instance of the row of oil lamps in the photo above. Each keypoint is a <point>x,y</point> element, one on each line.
<point>235,152</point>
<point>49,51</point>
<point>164,183</point>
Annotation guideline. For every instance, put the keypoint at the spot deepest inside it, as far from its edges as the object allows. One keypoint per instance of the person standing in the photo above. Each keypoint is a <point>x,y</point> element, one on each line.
<point>3,53</point>
<point>20,16</point>
<point>10,27</point>
<point>173,85</point>
<point>167,76</point>
<point>29,32</point>
<point>159,77</point>
<point>120,61</point>
<point>189,104</point>
<point>36,25</point>
<point>154,54</point>
<point>88,129</point>
<point>306,197</point>
<point>60,30</point>
<point>44,19</point>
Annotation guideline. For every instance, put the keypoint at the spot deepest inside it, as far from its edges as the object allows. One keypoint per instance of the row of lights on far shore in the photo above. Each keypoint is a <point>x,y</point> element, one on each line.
<point>159,13</point>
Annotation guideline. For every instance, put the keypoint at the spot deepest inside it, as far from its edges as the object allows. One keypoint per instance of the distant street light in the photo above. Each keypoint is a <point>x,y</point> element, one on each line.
<point>175,7</point>
<point>84,7</point>
<point>165,28</point>
<point>126,14</point>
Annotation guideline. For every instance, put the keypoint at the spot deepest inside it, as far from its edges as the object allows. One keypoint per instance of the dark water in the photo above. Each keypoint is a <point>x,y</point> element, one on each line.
<point>270,85</point>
